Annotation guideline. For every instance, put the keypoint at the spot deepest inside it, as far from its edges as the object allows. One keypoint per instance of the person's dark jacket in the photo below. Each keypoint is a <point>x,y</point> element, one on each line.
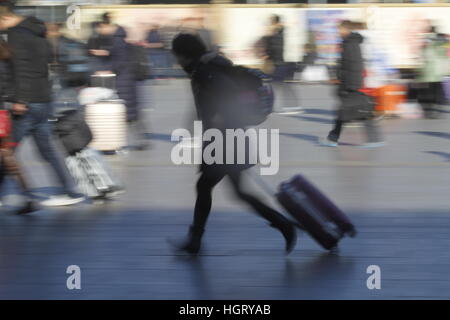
<point>351,65</point>
<point>354,105</point>
<point>99,42</point>
<point>120,64</point>
<point>29,62</point>
<point>275,45</point>
<point>214,92</point>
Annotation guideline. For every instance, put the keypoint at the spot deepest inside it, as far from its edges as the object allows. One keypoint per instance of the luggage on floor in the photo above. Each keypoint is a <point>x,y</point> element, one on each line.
<point>314,212</point>
<point>315,73</point>
<point>105,116</point>
<point>92,175</point>
<point>107,120</point>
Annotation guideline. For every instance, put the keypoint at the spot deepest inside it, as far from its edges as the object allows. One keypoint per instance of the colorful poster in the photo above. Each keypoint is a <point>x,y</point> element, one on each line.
<point>322,24</point>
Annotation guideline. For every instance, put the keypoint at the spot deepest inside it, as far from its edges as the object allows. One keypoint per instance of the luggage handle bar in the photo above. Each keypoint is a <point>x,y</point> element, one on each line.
<point>261,182</point>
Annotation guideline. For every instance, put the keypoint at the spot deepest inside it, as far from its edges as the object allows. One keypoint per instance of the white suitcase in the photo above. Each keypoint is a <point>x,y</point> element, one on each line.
<point>107,120</point>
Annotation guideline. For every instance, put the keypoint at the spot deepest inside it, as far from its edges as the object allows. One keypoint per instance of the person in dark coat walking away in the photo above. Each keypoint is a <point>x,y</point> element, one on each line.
<point>31,95</point>
<point>120,63</point>
<point>354,105</point>
<point>8,162</point>
<point>213,94</point>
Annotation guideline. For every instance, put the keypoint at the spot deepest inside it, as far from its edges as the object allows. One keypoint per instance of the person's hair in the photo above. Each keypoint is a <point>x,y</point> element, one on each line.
<point>188,45</point>
<point>358,25</point>
<point>276,18</point>
<point>347,24</point>
<point>106,18</point>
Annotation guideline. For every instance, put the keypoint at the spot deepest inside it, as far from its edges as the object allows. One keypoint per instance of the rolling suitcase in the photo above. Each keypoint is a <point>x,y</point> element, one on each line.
<point>107,120</point>
<point>315,213</point>
<point>103,81</point>
<point>312,211</point>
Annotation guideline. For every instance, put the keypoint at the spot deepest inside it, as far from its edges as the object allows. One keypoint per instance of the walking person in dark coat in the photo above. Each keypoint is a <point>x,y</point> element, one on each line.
<point>353,104</point>
<point>8,162</point>
<point>31,94</point>
<point>120,63</point>
<point>98,48</point>
<point>213,94</point>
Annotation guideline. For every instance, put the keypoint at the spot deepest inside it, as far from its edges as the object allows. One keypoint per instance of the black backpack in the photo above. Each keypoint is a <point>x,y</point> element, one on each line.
<point>140,65</point>
<point>254,97</point>
<point>73,131</point>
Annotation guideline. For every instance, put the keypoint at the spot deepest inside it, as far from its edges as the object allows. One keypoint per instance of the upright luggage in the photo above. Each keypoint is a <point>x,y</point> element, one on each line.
<point>107,80</point>
<point>107,118</point>
<point>314,212</point>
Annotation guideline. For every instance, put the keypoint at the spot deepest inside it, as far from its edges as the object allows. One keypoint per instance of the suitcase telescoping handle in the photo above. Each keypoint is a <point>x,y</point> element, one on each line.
<point>254,176</point>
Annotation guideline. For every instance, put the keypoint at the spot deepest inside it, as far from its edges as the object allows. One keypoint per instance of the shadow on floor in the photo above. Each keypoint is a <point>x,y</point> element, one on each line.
<point>445,155</point>
<point>435,134</point>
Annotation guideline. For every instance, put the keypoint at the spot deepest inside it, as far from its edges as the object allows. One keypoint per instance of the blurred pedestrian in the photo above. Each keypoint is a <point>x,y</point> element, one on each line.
<point>98,49</point>
<point>309,56</point>
<point>121,64</point>
<point>354,105</point>
<point>8,162</point>
<point>435,66</point>
<point>276,65</point>
<point>69,58</point>
<point>157,52</point>
<point>31,94</point>
<point>213,94</point>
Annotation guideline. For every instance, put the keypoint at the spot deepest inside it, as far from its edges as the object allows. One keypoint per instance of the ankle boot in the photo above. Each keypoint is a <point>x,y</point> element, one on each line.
<point>288,231</point>
<point>193,242</point>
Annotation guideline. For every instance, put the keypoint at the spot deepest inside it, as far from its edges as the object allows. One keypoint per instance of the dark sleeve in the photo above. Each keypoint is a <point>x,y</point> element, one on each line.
<point>22,54</point>
<point>7,89</point>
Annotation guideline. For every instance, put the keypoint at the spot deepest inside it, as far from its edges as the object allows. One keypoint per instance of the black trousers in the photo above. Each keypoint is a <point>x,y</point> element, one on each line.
<point>431,97</point>
<point>205,185</point>
<point>372,131</point>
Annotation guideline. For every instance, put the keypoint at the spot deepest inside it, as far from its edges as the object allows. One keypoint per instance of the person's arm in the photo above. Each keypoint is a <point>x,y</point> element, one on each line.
<point>20,65</point>
<point>20,69</point>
